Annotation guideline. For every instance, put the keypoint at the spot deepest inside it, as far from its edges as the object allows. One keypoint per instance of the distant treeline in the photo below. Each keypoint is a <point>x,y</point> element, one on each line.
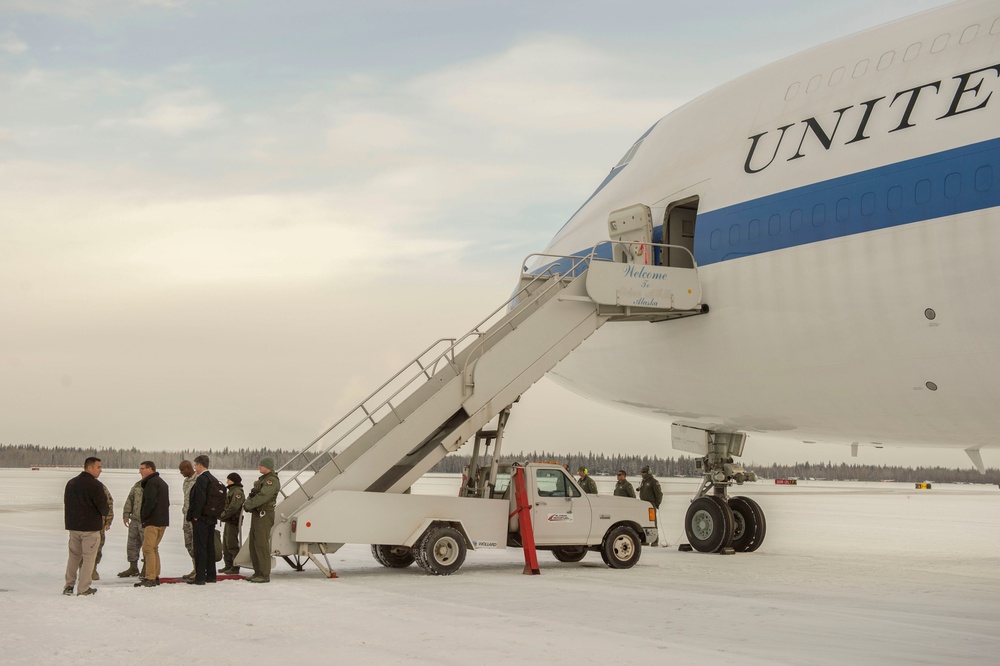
<point>28,455</point>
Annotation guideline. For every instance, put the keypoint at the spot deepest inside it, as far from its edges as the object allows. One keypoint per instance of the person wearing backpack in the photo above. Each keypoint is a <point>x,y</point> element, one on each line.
<point>203,511</point>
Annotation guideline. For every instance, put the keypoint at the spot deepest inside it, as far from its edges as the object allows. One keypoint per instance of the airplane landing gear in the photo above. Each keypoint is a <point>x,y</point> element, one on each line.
<point>715,521</point>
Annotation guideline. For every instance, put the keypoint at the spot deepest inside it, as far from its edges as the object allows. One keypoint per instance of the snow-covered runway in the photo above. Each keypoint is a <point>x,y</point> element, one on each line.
<point>850,573</point>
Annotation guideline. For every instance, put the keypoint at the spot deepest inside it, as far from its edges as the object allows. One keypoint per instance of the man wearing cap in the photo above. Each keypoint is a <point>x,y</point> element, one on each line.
<point>260,505</point>
<point>588,484</point>
<point>232,518</point>
<point>649,490</point>
<point>623,488</point>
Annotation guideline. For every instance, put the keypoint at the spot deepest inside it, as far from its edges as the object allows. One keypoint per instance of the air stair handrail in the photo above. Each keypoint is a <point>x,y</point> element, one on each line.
<point>425,368</point>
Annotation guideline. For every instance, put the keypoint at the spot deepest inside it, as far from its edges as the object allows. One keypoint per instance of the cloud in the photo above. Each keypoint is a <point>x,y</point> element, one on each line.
<point>550,83</point>
<point>10,43</point>
<point>179,112</point>
<point>88,8</point>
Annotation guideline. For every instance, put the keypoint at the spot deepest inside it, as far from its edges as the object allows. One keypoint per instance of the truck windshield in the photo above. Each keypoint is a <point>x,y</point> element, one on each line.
<point>554,483</point>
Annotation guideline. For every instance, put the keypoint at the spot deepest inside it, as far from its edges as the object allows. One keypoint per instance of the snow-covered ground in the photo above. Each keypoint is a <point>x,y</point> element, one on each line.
<point>850,573</point>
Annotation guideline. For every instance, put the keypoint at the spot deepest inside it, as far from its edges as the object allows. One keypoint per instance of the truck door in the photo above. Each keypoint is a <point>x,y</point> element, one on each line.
<point>561,515</point>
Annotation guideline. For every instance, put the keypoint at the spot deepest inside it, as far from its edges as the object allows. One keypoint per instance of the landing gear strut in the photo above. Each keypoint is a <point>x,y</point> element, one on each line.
<point>716,522</point>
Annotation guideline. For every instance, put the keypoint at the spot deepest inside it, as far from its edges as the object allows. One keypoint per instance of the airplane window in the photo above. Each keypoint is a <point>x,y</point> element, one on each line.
<point>894,198</point>
<point>940,43</point>
<point>995,30</point>
<point>774,225</point>
<point>886,60</point>
<point>952,185</point>
<point>715,240</point>
<point>734,234</point>
<point>813,83</point>
<point>969,34</point>
<point>819,215</point>
<point>922,194</point>
<point>627,157</point>
<point>792,91</point>
<point>860,69</point>
<point>867,203</point>
<point>984,179</point>
<point>837,76</point>
<point>753,229</point>
<point>843,209</point>
<point>911,51</point>
<point>795,220</point>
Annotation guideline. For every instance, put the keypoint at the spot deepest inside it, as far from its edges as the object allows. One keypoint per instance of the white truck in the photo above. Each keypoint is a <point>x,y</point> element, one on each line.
<point>437,531</point>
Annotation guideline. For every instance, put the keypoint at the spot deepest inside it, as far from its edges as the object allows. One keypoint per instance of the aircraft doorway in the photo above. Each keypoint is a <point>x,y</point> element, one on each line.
<point>678,229</point>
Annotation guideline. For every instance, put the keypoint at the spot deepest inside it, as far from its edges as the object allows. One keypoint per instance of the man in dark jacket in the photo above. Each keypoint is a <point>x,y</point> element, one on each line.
<point>202,525</point>
<point>155,519</point>
<point>623,488</point>
<point>85,506</point>
<point>232,517</point>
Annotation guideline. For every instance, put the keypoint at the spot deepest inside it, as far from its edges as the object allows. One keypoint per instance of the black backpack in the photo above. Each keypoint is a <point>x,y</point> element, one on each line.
<point>215,503</point>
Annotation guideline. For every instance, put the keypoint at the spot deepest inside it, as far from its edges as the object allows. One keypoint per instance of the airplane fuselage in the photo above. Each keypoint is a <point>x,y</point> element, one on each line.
<point>843,207</point>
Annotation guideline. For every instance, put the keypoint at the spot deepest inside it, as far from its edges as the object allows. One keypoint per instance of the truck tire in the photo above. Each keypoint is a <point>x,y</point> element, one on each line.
<point>569,553</point>
<point>441,551</point>
<point>394,557</point>
<point>621,548</point>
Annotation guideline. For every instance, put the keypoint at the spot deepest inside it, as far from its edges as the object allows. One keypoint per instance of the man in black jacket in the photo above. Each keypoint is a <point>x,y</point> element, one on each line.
<point>202,525</point>
<point>155,519</point>
<point>85,506</point>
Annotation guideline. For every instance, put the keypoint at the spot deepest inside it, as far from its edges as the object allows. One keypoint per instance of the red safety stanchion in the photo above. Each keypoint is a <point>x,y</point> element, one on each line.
<point>524,523</point>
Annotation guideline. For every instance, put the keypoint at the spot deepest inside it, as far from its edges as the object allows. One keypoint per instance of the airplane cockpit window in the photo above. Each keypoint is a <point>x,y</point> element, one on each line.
<point>627,157</point>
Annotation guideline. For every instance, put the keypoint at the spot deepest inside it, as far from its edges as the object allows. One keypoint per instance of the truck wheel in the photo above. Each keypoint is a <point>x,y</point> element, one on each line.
<point>621,548</point>
<point>442,551</point>
<point>569,553</point>
<point>394,557</point>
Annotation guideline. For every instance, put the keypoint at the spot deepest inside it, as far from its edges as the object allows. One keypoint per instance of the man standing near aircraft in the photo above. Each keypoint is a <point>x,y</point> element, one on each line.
<point>132,516</point>
<point>202,525</point>
<point>588,484</point>
<point>260,504</point>
<point>155,519</point>
<point>623,488</point>
<point>85,506</point>
<point>232,517</point>
<point>649,490</point>
<point>187,471</point>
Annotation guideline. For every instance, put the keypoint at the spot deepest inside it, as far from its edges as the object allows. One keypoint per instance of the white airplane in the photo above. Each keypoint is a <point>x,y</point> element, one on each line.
<point>810,251</point>
<point>843,208</point>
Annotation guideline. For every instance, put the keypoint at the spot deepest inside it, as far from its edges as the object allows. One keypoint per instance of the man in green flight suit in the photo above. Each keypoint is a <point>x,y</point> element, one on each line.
<point>623,488</point>
<point>588,484</point>
<point>260,504</point>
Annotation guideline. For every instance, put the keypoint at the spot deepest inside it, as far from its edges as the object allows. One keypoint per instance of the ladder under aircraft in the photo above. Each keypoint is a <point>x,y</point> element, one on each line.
<point>455,387</point>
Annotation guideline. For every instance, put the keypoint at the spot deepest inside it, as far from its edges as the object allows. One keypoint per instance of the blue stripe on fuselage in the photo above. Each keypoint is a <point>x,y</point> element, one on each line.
<point>948,183</point>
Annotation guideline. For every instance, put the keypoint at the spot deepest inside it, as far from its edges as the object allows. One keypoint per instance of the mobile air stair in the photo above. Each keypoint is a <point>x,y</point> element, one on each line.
<point>455,387</point>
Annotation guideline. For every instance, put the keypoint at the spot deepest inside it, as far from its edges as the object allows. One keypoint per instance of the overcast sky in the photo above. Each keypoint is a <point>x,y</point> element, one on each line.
<point>223,222</point>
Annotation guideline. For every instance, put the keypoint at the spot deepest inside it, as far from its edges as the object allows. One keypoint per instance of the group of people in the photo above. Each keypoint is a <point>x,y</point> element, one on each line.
<point>649,487</point>
<point>89,513</point>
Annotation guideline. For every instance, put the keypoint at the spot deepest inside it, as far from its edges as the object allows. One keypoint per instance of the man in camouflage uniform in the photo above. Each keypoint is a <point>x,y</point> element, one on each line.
<point>260,504</point>
<point>132,517</point>
<point>588,484</point>
<point>108,519</point>
<point>232,518</point>
<point>649,490</point>
<point>187,471</point>
<point>623,488</point>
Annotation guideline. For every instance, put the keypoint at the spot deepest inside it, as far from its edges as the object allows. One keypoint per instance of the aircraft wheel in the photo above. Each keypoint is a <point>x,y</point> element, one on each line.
<point>569,553</point>
<point>442,551</point>
<point>621,548</point>
<point>709,524</point>
<point>755,525</point>
<point>394,557</point>
<point>377,554</point>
